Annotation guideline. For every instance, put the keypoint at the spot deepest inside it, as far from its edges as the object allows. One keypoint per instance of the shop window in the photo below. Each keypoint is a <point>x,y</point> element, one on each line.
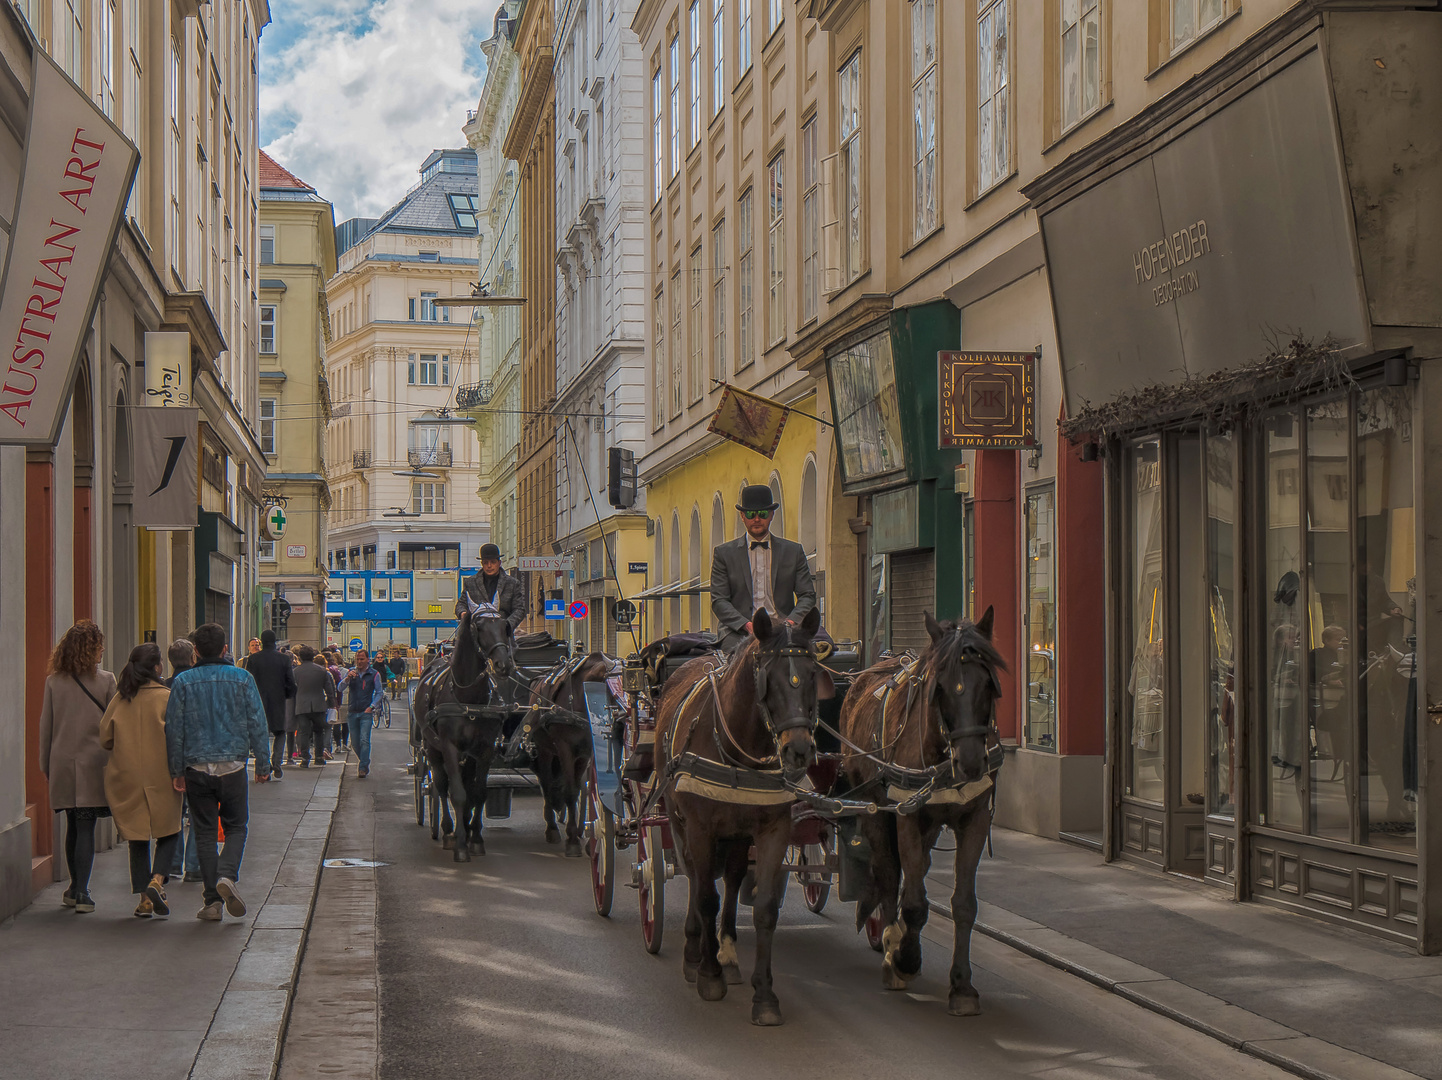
<point>863,386</point>
<point>1040,730</point>
<point>1221,602</point>
<point>1144,702</point>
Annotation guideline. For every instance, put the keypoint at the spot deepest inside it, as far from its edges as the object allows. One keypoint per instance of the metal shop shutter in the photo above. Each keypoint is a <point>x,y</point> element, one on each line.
<point>913,586</point>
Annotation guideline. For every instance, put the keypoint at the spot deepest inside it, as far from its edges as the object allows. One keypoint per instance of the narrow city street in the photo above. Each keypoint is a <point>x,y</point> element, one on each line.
<point>502,968</point>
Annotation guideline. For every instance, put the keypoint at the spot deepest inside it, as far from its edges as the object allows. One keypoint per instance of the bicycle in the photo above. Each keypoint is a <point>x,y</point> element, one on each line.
<point>382,713</point>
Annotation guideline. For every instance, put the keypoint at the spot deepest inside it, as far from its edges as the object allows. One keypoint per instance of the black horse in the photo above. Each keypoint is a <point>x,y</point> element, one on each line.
<point>459,709</point>
<point>561,734</point>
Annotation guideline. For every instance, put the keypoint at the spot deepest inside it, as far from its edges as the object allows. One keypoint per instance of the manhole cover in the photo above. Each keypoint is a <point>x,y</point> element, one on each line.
<point>338,864</point>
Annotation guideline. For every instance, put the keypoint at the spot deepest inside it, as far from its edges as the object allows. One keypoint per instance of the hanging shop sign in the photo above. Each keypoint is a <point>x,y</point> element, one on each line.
<point>167,369</point>
<point>273,520</point>
<point>555,564</point>
<point>77,176</point>
<point>167,467</point>
<point>751,420</point>
<point>988,400</point>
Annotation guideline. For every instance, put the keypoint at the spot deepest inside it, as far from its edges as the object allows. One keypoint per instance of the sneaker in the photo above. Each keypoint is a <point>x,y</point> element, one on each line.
<point>275,774</point>
<point>363,773</point>
<point>192,876</point>
<point>145,909</point>
<point>155,894</point>
<point>83,904</point>
<point>211,912</point>
<point>305,764</point>
<point>68,898</point>
<point>234,905</point>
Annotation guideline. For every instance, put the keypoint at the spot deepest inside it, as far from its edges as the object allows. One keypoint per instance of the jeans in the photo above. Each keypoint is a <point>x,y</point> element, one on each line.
<point>360,736</point>
<point>277,751</point>
<point>224,799</point>
<point>80,846</point>
<point>141,865</point>
<point>312,727</point>
<point>187,856</point>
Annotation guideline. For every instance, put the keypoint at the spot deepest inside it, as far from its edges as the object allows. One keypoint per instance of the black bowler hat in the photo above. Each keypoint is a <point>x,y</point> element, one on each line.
<point>756,497</point>
<point>490,551</point>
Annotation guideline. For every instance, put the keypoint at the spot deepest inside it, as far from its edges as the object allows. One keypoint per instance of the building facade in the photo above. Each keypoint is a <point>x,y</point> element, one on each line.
<point>179,80</point>
<point>530,141</point>
<point>296,259</point>
<point>600,306</point>
<point>403,475</point>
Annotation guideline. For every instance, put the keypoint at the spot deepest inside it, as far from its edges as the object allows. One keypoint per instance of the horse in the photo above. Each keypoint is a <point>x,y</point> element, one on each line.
<point>752,721</point>
<point>561,734</point>
<point>924,742</point>
<point>459,738</point>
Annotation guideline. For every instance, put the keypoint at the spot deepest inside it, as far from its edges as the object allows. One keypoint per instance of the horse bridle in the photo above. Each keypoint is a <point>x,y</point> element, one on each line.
<point>791,653</point>
<point>954,736</point>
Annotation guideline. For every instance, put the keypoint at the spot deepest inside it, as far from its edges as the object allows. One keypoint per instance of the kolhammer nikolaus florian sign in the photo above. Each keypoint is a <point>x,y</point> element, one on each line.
<point>986,400</point>
<point>77,176</point>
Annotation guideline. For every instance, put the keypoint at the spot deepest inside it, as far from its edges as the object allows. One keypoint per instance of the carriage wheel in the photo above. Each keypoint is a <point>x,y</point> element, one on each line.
<point>601,846</point>
<point>815,887</point>
<point>651,858</point>
<point>419,776</point>
<point>874,929</point>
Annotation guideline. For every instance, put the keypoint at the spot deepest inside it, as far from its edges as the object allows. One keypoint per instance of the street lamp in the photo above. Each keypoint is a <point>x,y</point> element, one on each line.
<point>480,297</point>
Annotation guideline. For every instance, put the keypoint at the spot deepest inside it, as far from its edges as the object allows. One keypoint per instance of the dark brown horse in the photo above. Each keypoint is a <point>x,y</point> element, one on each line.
<point>459,738</point>
<point>926,743</point>
<point>757,715</point>
<point>561,734</point>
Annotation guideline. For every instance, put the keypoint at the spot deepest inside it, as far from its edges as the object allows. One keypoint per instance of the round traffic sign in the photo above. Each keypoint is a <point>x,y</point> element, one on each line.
<point>625,613</point>
<point>579,610</point>
<point>356,644</point>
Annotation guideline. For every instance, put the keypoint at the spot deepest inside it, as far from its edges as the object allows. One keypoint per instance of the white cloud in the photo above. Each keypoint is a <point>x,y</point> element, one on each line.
<point>355,93</point>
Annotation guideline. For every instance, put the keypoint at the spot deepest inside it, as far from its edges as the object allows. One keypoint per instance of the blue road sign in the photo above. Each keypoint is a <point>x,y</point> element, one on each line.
<point>356,643</point>
<point>579,610</point>
<point>555,609</point>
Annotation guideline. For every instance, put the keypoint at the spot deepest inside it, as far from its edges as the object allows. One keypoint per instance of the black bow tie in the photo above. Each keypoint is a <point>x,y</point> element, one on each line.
<point>761,544</point>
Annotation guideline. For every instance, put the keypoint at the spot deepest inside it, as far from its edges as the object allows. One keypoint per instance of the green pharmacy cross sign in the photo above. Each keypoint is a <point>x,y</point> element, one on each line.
<point>274,520</point>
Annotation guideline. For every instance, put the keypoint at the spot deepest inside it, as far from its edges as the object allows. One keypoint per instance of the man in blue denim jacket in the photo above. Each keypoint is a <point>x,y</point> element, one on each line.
<point>215,720</point>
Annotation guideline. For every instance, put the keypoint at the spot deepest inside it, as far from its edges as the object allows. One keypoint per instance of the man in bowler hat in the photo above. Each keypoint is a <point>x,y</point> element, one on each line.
<point>758,570</point>
<point>494,589</point>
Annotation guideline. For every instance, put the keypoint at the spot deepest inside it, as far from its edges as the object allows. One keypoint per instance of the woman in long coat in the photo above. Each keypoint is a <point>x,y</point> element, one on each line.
<point>71,757</point>
<point>138,786</point>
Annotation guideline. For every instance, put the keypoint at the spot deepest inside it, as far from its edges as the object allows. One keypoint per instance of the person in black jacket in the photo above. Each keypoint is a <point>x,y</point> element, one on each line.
<point>493,590</point>
<point>758,569</point>
<point>274,675</point>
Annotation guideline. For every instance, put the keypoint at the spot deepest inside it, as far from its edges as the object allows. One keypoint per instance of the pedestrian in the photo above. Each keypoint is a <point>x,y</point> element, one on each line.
<point>341,730</point>
<point>77,692</point>
<point>315,693</point>
<point>214,721</point>
<point>274,677</point>
<point>138,787</point>
<point>364,690</point>
<point>251,650</point>
<point>186,865</point>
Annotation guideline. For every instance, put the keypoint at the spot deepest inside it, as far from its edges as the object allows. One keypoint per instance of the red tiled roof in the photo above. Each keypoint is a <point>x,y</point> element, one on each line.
<point>274,175</point>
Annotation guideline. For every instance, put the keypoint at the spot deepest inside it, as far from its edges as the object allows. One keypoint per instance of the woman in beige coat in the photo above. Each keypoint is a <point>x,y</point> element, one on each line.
<point>71,757</point>
<point>138,787</point>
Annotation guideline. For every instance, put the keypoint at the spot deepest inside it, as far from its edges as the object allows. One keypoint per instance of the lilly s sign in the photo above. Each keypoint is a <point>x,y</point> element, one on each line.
<point>77,176</point>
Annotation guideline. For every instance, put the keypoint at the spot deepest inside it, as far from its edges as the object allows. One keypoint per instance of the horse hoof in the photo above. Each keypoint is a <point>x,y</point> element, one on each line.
<point>553,836</point>
<point>573,849</point>
<point>732,974</point>
<point>688,970</point>
<point>447,842</point>
<point>766,1015</point>
<point>710,987</point>
<point>478,847</point>
<point>892,979</point>
<point>964,1005</point>
<point>460,854</point>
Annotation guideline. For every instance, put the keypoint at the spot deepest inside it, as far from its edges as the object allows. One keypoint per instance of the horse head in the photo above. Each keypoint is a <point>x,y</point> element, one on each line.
<point>784,668</point>
<point>961,664</point>
<point>483,650</point>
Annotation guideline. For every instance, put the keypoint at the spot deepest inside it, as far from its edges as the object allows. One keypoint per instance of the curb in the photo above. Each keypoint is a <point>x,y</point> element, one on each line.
<point>247,1031</point>
<point>1242,1030</point>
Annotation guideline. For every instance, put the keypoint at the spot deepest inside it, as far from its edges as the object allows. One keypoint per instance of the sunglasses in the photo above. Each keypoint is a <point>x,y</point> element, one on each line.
<point>756,515</point>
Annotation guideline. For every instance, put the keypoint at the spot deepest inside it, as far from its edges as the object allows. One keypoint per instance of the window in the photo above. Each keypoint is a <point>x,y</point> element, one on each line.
<point>776,249</point>
<point>744,281</point>
<point>268,418</point>
<point>355,589</point>
<point>266,550</point>
<point>434,370</point>
<point>923,116</point>
<point>867,409</point>
<point>1040,615</point>
<point>743,36</point>
<point>658,145</point>
<point>993,146</point>
<point>267,245</point>
<point>400,586</point>
<point>850,95</point>
<point>677,303</point>
<point>130,105</point>
<point>1192,18</point>
<point>464,207</point>
<point>74,31</point>
<point>810,221</point>
<point>694,21</point>
<point>658,357</point>
<point>107,57</point>
<point>380,589</point>
<point>174,160</point>
<point>1081,60</point>
<point>775,12</point>
<point>429,311</point>
<point>675,57</point>
<point>718,301</point>
<point>428,498</point>
<point>428,256</point>
<point>695,373</point>
<point>267,329</point>
<point>718,56</point>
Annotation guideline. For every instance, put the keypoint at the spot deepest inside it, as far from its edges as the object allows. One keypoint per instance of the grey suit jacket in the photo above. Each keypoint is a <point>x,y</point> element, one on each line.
<point>314,689</point>
<point>510,597</point>
<point>731,600</point>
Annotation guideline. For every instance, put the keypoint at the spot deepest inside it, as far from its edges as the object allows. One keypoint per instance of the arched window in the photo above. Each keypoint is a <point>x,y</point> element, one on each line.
<point>658,575</point>
<point>674,570</point>
<point>778,516</point>
<point>693,569</point>
<point>718,522</point>
<point>740,522</point>
<point>806,526</point>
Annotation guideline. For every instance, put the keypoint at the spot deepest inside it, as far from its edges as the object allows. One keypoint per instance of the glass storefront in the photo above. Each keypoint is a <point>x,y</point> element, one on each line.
<point>1146,618</point>
<point>1039,732</point>
<point>1221,582</point>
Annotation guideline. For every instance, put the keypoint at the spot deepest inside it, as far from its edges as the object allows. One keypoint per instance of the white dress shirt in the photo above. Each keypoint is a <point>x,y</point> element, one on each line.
<point>760,574</point>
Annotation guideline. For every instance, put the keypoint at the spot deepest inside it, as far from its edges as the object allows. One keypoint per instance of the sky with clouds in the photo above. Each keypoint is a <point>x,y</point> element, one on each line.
<point>355,93</point>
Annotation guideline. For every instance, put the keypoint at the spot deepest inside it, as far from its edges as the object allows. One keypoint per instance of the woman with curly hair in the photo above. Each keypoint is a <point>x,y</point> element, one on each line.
<point>77,693</point>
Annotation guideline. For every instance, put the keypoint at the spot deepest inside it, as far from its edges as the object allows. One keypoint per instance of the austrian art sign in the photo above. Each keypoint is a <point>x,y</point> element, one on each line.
<point>987,400</point>
<point>77,176</point>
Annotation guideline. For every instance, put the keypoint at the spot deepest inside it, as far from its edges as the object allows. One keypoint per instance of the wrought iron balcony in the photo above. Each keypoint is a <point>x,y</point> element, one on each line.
<point>360,459</point>
<point>436,456</point>
<point>469,395</point>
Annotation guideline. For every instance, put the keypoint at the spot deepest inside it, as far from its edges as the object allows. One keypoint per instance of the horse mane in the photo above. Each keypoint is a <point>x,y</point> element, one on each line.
<point>957,638</point>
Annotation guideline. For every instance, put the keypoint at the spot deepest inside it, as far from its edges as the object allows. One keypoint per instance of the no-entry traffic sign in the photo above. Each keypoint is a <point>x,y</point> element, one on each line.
<point>579,610</point>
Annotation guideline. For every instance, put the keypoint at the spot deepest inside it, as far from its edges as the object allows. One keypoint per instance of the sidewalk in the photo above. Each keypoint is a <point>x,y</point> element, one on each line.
<point>110,995</point>
<point>1318,1000</point>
